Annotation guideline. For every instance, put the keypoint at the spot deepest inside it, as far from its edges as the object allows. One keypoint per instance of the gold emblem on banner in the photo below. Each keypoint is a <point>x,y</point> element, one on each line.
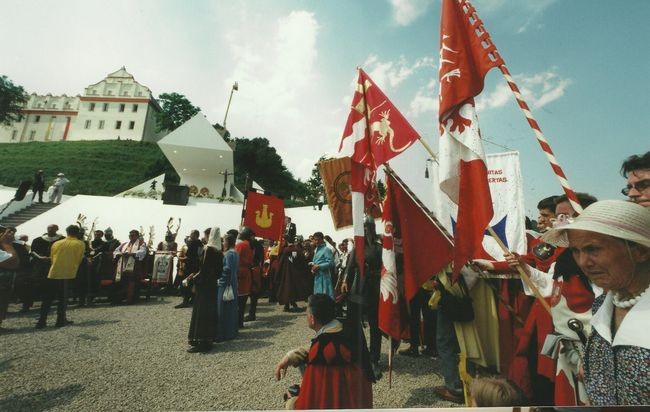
<point>263,218</point>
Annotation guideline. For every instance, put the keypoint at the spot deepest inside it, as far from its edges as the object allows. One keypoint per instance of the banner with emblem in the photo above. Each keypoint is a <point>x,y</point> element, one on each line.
<point>336,174</point>
<point>509,220</point>
<point>264,214</point>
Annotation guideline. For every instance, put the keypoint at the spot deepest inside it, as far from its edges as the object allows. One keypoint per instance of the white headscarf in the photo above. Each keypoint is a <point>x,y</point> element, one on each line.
<point>214,239</point>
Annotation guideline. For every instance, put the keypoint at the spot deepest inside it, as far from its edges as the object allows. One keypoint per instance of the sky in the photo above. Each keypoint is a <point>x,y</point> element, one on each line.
<point>582,67</point>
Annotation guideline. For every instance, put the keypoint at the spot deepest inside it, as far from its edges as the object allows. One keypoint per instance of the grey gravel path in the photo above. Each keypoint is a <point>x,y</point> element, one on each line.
<point>133,358</point>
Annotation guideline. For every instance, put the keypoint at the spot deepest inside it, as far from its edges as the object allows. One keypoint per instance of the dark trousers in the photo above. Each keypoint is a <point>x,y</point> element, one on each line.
<point>354,314</point>
<point>241,301</point>
<point>55,289</point>
<point>421,317</point>
<point>253,309</point>
<point>40,194</point>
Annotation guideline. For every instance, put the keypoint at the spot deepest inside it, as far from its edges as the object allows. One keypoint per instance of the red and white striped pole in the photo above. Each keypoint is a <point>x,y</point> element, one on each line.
<point>571,195</point>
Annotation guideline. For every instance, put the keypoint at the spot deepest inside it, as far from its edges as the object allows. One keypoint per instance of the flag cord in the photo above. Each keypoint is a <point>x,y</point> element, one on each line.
<point>546,148</point>
<point>521,271</point>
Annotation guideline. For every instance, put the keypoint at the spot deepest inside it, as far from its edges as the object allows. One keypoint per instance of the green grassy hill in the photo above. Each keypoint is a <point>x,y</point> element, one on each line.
<point>102,168</point>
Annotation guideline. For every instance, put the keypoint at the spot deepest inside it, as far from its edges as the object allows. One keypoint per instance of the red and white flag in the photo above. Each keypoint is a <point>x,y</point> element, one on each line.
<point>465,58</point>
<point>375,132</point>
<point>407,229</point>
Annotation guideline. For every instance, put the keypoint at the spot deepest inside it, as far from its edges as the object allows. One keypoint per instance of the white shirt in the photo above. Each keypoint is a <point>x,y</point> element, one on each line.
<point>633,331</point>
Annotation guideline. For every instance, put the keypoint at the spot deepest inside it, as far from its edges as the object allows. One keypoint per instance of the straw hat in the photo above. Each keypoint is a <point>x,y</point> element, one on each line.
<point>617,218</point>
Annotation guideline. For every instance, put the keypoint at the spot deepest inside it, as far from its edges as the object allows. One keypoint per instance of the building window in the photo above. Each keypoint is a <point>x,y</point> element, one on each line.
<point>87,126</point>
<point>14,134</point>
<point>54,105</point>
<point>37,119</point>
<point>105,108</point>
<point>131,125</point>
<point>118,124</point>
<point>135,108</point>
<point>122,106</point>
<point>32,134</point>
<point>92,107</point>
<point>109,93</point>
<point>101,124</point>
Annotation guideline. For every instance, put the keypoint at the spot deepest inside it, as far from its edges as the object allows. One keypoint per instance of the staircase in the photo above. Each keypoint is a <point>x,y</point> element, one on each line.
<point>28,213</point>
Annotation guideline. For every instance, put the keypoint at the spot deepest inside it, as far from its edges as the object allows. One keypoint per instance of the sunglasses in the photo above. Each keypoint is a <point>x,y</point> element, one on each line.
<point>640,186</point>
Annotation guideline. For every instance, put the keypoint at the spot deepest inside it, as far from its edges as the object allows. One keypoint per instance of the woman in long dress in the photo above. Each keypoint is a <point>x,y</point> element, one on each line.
<point>203,326</point>
<point>228,311</point>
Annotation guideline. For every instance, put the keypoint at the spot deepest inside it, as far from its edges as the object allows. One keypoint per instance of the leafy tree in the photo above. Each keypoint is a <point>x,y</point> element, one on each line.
<point>315,182</point>
<point>12,99</point>
<point>256,160</point>
<point>176,110</point>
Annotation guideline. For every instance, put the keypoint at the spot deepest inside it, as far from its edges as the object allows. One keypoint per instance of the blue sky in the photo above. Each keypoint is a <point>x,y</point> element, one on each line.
<point>582,65</point>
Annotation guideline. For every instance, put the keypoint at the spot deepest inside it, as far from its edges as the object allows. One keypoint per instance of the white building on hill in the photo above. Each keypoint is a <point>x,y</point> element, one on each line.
<point>115,107</point>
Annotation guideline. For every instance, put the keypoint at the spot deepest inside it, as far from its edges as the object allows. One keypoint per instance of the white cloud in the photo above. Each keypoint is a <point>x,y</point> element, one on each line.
<point>538,90</point>
<point>407,11</point>
<point>425,100</point>
<point>389,75</point>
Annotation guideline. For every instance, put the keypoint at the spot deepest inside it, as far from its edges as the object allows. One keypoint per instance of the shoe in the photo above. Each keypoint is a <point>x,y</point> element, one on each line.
<point>62,324</point>
<point>249,318</point>
<point>193,349</point>
<point>432,353</point>
<point>40,325</point>
<point>410,351</point>
<point>286,309</point>
<point>448,395</point>
<point>182,305</point>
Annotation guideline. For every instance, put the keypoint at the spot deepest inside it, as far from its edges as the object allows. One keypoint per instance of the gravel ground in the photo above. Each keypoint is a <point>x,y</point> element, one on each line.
<point>134,358</point>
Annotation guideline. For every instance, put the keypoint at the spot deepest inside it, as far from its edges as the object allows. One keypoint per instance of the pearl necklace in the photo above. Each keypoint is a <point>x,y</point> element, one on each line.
<point>628,303</point>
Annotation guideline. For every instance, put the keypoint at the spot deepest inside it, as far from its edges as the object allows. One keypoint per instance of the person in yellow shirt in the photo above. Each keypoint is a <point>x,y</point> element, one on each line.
<point>66,256</point>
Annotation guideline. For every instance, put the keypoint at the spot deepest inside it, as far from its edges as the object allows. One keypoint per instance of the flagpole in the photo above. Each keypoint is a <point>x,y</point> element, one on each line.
<point>432,217</point>
<point>521,271</point>
<point>390,362</point>
<point>546,148</point>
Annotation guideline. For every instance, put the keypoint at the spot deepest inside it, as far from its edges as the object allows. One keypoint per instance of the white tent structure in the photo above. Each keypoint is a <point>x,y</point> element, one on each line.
<point>202,159</point>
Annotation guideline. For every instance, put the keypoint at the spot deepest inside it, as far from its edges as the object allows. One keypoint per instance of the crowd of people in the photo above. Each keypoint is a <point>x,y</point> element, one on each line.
<point>574,335</point>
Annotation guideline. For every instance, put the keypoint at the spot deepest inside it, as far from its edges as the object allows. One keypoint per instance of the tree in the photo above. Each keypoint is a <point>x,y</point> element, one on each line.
<point>256,160</point>
<point>315,182</point>
<point>176,110</point>
<point>12,100</point>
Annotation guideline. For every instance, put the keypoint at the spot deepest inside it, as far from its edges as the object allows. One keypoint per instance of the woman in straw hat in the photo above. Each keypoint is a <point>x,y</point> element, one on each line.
<point>610,242</point>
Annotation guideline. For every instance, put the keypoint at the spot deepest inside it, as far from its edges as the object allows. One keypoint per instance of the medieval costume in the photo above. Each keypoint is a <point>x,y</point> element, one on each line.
<point>572,296</point>
<point>203,325</point>
<point>228,311</point>
<point>334,376</point>
<point>295,281</point>
<point>363,295</point>
<point>130,266</point>
<point>324,258</point>
<point>244,274</point>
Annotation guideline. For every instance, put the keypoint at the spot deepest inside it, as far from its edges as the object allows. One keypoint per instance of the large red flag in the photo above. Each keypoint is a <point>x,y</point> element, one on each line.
<point>374,133</point>
<point>466,55</point>
<point>410,231</point>
<point>264,214</point>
